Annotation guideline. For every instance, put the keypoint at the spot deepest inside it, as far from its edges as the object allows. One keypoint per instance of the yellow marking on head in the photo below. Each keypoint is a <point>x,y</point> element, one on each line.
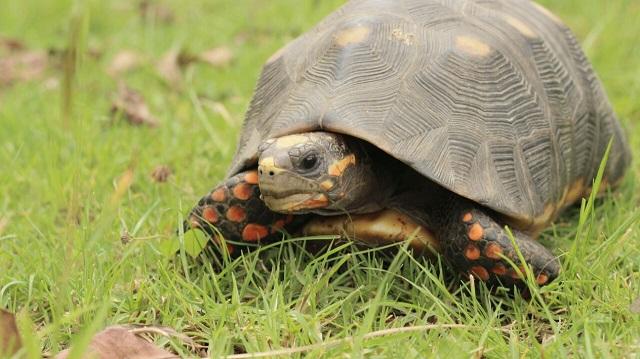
<point>317,201</point>
<point>267,162</point>
<point>472,46</point>
<point>353,35</point>
<point>291,140</point>
<point>327,184</point>
<point>338,167</point>
<point>547,13</point>
<point>521,27</point>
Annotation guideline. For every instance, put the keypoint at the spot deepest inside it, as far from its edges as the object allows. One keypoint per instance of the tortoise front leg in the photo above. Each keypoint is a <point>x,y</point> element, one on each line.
<point>475,243</point>
<point>235,211</point>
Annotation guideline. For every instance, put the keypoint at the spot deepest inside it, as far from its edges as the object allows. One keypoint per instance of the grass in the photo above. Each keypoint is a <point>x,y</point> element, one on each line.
<point>72,182</point>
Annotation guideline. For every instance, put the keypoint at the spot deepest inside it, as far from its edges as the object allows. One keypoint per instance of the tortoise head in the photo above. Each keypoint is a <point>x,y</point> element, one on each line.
<point>316,172</point>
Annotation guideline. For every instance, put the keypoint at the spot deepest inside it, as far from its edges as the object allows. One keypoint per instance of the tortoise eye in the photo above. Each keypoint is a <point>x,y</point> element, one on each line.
<point>309,162</point>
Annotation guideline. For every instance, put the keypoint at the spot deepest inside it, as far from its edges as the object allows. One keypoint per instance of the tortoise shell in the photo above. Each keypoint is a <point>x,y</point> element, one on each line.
<point>491,99</point>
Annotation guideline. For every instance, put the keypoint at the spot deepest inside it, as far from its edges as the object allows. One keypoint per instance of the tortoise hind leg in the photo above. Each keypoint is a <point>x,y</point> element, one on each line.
<point>475,243</point>
<point>234,210</point>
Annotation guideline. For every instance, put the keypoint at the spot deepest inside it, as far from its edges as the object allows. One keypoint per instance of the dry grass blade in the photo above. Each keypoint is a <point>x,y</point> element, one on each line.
<point>131,104</point>
<point>10,341</point>
<point>167,332</point>
<point>121,342</point>
<point>336,342</point>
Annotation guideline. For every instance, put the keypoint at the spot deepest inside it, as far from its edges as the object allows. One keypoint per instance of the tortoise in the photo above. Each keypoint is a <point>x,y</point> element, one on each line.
<point>437,121</point>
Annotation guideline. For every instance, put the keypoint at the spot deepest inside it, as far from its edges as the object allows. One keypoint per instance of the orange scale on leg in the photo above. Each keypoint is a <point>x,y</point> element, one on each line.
<point>493,251</point>
<point>542,279</point>
<point>476,232</point>
<point>210,215</point>
<point>499,269</point>
<point>480,272</point>
<point>472,252</point>
<point>253,232</point>
<point>218,195</point>
<point>236,214</point>
<point>467,217</point>
<point>242,191</point>
<point>251,177</point>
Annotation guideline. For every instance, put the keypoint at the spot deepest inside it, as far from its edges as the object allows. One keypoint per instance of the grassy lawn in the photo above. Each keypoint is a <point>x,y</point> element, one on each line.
<point>73,182</point>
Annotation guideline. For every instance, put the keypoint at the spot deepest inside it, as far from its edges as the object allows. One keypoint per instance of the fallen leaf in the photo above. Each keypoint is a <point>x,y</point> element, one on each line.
<point>124,61</point>
<point>22,65</point>
<point>10,341</point>
<point>169,67</point>
<point>635,306</point>
<point>217,57</point>
<point>121,342</point>
<point>11,44</point>
<point>161,174</point>
<point>131,104</point>
<point>151,10</point>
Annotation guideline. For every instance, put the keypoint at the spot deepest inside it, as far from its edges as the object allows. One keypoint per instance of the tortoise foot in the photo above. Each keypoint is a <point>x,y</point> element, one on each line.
<point>233,213</point>
<point>482,247</point>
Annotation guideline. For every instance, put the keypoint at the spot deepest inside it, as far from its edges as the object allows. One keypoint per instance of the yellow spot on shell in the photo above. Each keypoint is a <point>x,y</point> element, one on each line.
<point>546,216</point>
<point>574,192</point>
<point>521,27</point>
<point>547,13</point>
<point>292,140</point>
<point>352,35</point>
<point>338,167</point>
<point>472,46</point>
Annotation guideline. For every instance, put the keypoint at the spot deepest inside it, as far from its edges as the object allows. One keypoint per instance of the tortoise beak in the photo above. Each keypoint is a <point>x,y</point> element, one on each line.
<point>284,191</point>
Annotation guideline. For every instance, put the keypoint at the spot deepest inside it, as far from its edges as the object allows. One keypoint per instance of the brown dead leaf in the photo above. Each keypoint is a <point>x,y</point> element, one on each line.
<point>154,11</point>
<point>121,342</point>
<point>10,341</point>
<point>169,67</point>
<point>635,306</point>
<point>124,61</point>
<point>132,106</point>
<point>173,62</point>
<point>217,57</point>
<point>161,174</point>
<point>22,65</point>
<point>11,45</point>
